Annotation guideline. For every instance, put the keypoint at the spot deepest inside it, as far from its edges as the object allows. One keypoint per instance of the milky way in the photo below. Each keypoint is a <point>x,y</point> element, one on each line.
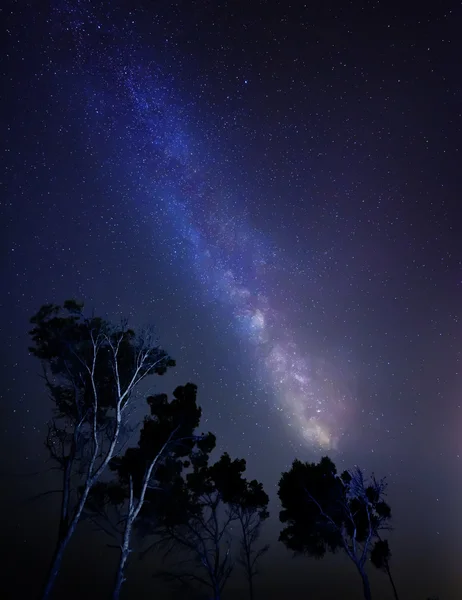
<point>133,105</point>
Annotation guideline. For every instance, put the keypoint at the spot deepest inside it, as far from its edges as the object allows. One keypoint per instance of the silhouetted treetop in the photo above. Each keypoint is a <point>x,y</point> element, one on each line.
<point>323,511</point>
<point>168,444</point>
<point>168,434</point>
<point>91,368</point>
<point>89,355</point>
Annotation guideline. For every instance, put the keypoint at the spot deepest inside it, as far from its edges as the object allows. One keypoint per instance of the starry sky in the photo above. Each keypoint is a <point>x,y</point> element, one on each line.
<point>275,186</point>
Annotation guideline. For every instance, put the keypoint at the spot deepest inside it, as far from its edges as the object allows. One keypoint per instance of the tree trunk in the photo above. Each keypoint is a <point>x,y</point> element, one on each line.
<point>120,576</point>
<point>392,582</point>
<point>124,554</point>
<point>251,596</point>
<point>216,591</point>
<point>63,541</point>
<point>57,560</point>
<point>366,584</point>
<point>249,576</point>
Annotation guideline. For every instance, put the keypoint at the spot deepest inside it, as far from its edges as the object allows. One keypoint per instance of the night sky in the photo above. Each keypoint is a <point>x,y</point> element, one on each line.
<point>276,186</point>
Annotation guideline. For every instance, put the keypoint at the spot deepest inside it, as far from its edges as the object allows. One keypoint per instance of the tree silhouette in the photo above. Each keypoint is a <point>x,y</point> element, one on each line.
<point>252,510</point>
<point>167,437</point>
<point>326,512</point>
<point>380,558</point>
<point>197,520</point>
<point>91,369</point>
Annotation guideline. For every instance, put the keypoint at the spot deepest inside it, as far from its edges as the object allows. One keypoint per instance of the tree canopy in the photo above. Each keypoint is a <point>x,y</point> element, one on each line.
<point>91,368</point>
<point>197,521</point>
<point>166,437</point>
<point>324,512</point>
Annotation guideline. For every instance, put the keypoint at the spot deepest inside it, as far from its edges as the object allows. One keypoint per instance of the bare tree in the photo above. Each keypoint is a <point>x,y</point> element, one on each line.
<point>198,524</point>
<point>204,548</point>
<point>91,370</point>
<point>252,511</point>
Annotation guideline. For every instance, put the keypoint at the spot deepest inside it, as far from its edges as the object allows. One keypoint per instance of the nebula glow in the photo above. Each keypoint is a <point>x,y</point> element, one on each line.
<point>132,105</point>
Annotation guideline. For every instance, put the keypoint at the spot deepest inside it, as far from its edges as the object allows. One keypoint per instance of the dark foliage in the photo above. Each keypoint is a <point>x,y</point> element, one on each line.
<point>167,439</point>
<point>324,512</point>
<point>380,558</point>
<point>197,520</point>
<point>72,346</point>
<point>91,369</point>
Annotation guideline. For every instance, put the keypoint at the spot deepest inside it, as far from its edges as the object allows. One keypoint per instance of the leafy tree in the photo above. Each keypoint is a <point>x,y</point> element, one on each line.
<point>167,437</point>
<point>252,510</point>
<point>326,512</point>
<point>91,369</point>
<point>197,521</point>
<point>380,558</point>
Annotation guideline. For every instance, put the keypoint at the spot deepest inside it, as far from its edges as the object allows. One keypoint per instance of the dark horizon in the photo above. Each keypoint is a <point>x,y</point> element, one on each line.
<point>275,187</point>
